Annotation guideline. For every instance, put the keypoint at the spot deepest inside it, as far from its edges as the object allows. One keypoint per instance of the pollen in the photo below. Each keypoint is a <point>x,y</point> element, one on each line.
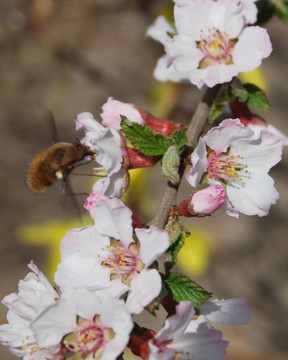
<point>29,344</point>
<point>217,47</point>
<point>89,338</point>
<point>122,261</point>
<point>224,167</point>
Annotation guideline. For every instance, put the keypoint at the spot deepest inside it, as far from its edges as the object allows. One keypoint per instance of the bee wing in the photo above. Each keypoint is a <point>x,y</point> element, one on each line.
<point>52,127</point>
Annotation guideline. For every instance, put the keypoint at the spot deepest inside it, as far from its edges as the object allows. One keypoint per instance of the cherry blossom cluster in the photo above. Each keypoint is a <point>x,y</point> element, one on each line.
<point>110,271</point>
<point>233,158</point>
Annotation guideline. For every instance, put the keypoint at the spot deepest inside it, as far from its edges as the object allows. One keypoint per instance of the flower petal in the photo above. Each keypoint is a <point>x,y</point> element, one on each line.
<point>199,164</point>
<point>154,242</point>
<point>264,146</point>
<point>252,199</point>
<point>159,30</point>
<point>253,46</point>
<point>77,271</point>
<point>113,219</point>
<point>54,322</point>
<point>232,311</point>
<point>163,72</point>
<point>85,241</point>
<point>221,137</point>
<point>177,324</point>
<point>144,288</point>
<point>112,111</point>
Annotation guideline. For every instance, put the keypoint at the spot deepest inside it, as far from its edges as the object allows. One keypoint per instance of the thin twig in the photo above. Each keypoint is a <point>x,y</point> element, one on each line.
<point>195,128</point>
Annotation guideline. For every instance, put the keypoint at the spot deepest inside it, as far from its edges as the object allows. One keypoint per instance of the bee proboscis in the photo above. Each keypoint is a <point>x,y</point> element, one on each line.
<point>55,163</point>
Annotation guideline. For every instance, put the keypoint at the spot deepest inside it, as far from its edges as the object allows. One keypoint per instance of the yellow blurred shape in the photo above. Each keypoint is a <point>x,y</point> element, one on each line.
<point>194,257</point>
<point>49,235</point>
<point>164,97</point>
<point>128,355</point>
<point>255,77</point>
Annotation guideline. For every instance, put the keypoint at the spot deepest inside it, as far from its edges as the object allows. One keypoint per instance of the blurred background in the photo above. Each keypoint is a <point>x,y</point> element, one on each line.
<point>69,56</point>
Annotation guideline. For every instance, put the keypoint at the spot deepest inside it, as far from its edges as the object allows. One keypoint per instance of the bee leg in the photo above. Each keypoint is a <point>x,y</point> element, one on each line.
<point>67,191</point>
<point>81,164</point>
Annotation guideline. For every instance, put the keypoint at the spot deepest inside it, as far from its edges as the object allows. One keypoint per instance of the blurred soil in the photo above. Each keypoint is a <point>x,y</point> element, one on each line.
<point>70,56</point>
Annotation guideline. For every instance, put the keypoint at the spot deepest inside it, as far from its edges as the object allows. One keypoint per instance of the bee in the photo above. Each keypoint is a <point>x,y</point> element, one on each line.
<point>55,163</point>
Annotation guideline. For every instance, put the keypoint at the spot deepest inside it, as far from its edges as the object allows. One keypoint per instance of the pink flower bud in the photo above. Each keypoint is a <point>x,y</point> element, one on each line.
<point>113,109</point>
<point>203,202</point>
<point>208,200</point>
<point>162,126</point>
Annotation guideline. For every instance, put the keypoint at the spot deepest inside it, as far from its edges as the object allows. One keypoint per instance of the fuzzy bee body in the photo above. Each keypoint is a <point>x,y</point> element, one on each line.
<point>55,163</point>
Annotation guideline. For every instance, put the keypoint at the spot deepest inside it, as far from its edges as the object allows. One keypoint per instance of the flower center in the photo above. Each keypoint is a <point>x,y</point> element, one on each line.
<point>89,338</point>
<point>216,46</point>
<point>229,168</point>
<point>122,261</point>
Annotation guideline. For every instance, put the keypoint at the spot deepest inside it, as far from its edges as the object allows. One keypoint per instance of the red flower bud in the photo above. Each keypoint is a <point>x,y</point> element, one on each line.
<point>162,126</point>
<point>241,110</point>
<point>139,160</point>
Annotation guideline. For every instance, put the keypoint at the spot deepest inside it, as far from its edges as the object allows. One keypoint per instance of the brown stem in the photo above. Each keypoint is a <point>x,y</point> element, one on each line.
<point>194,131</point>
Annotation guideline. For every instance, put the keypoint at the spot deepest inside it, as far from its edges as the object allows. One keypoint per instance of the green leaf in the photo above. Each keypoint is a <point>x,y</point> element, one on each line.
<point>281,7</point>
<point>240,93</point>
<point>177,238</point>
<point>251,94</point>
<point>256,97</point>
<point>144,138</point>
<point>180,139</point>
<point>224,99</point>
<point>181,288</point>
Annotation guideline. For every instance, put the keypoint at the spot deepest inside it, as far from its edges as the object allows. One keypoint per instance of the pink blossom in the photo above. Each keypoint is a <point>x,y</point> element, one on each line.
<point>234,156</point>
<point>106,255</point>
<point>93,325</point>
<point>109,154</point>
<point>35,294</point>
<point>208,49</point>
<point>111,151</point>
<point>175,341</point>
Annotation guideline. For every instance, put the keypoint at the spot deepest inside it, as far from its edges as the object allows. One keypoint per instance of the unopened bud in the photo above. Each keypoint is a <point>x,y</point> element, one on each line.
<point>162,126</point>
<point>203,202</point>
<point>241,111</point>
<point>113,109</point>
